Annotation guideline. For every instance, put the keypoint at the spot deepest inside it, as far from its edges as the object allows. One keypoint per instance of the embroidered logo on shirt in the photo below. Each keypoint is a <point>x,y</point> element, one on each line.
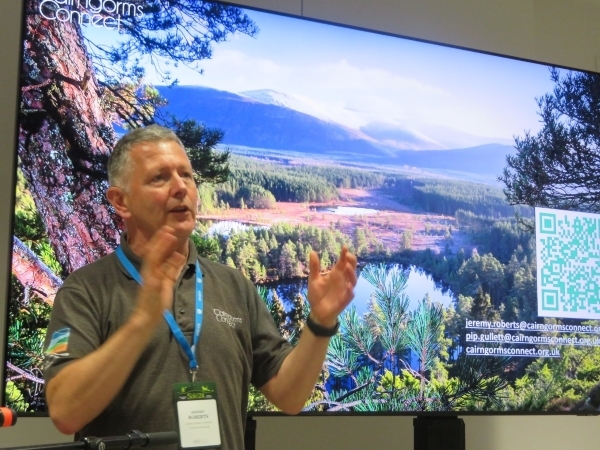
<point>222,316</point>
<point>60,341</point>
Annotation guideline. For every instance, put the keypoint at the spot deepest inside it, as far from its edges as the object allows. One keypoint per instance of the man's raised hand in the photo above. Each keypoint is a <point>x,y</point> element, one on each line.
<point>161,267</point>
<point>330,293</point>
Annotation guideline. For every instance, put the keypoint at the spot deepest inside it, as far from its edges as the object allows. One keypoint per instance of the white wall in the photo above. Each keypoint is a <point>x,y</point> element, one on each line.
<point>561,32</point>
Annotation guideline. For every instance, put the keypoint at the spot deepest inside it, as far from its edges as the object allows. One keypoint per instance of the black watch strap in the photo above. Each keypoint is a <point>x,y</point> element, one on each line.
<point>321,331</point>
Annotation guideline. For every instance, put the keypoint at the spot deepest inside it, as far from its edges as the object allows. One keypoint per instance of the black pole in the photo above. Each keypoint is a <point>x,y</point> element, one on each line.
<point>439,433</point>
<point>61,446</point>
<point>133,439</point>
<point>250,434</point>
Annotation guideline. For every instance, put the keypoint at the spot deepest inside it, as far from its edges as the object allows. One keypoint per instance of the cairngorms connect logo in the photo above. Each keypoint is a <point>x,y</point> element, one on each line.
<point>222,316</point>
<point>96,13</point>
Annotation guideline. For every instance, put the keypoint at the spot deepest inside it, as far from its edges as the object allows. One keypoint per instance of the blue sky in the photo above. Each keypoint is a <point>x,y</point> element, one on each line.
<point>450,96</point>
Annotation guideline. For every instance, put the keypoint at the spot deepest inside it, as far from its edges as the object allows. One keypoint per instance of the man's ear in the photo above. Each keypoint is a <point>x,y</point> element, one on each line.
<point>117,198</point>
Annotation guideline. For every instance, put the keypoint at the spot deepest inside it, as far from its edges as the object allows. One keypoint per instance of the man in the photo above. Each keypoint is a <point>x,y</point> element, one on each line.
<point>112,358</point>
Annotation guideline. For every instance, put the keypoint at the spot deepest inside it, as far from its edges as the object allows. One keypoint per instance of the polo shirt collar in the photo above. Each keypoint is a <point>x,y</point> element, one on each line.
<point>137,261</point>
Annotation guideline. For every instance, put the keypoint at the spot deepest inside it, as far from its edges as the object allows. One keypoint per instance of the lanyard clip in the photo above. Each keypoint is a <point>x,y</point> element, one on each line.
<point>193,372</point>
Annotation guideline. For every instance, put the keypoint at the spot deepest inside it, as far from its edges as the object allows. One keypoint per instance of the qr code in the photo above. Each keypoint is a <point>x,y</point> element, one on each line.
<point>568,263</point>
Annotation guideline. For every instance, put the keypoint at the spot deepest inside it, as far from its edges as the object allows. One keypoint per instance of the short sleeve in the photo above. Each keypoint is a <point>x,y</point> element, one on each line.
<point>74,330</point>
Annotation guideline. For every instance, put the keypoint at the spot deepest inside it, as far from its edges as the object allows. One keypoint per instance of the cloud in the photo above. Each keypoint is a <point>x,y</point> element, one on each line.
<point>354,96</point>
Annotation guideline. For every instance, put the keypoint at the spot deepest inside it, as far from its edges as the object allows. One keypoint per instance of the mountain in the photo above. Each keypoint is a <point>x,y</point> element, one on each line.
<point>387,135</point>
<point>399,137</point>
<point>267,119</point>
<point>434,137</point>
<point>252,123</point>
<point>271,97</point>
<point>484,162</point>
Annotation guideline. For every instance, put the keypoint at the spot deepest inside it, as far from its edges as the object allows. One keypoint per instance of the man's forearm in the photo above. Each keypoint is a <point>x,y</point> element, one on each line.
<point>328,295</point>
<point>293,384</point>
<point>83,389</point>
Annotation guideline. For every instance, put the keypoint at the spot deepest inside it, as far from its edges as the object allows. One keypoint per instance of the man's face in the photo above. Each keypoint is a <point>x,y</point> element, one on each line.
<point>159,189</point>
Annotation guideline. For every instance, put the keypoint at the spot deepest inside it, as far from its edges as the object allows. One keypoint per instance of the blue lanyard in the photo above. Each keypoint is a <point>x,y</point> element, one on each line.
<point>177,333</point>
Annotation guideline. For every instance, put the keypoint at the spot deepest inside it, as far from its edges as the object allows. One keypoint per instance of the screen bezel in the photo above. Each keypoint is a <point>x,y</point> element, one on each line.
<point>12,37</point>
<point>13,166</point>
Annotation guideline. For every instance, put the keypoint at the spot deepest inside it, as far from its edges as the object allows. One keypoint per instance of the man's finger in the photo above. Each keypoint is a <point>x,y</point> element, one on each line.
<point>173,265</point>
<point>160,247</point>
<point>350,274</point>
<point>314,266</point>
<point>343,259</point>
<point>347,265</point>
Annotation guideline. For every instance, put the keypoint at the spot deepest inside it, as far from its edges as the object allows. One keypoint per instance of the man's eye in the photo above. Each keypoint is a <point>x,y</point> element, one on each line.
<point>188,177</point>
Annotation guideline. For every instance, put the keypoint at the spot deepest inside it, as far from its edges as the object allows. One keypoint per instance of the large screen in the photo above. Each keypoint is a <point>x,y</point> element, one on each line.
<point>463,181</point>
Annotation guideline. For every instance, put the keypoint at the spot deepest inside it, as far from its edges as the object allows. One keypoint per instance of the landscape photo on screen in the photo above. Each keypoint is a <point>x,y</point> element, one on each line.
<point>426,161</point>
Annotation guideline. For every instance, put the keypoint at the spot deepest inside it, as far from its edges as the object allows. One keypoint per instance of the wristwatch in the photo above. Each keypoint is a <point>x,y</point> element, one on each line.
<point>321,331</point>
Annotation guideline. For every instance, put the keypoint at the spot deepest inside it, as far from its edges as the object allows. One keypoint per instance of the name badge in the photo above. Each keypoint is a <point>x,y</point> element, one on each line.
<point>197,415</point>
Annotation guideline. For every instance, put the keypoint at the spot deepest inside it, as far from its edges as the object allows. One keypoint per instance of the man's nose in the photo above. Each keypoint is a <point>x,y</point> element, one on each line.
<point>178,187</point>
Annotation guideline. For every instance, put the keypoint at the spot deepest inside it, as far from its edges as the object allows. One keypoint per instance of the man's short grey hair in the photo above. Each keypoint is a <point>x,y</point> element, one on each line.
<point>119,158</point>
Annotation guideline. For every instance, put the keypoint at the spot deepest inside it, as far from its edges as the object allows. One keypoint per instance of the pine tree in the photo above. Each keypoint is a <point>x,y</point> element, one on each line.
<point>558,167</point>
<point>67,118</point>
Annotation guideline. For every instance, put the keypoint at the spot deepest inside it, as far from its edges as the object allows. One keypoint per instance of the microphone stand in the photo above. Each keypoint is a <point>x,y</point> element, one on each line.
<point>133,439</point>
